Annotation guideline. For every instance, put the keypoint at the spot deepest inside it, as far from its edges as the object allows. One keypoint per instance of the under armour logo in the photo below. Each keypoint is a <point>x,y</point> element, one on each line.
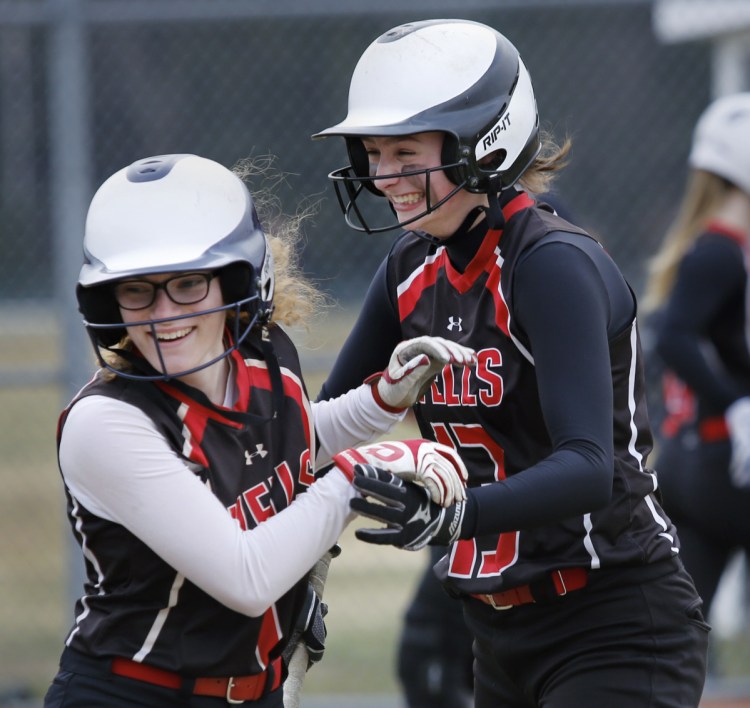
<point>258,451</point>
<point>455,322</point>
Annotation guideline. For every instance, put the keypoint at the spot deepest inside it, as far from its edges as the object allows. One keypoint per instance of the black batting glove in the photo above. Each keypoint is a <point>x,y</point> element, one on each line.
<point>412,519</point>
<point>310,629</point>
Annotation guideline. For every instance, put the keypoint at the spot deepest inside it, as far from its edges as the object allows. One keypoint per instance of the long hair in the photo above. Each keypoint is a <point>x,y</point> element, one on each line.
<point>704,194</point>
<point>552,158</point>
<point>296,298</point>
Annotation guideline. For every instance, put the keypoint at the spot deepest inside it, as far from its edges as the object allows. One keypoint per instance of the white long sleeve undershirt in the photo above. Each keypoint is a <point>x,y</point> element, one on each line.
<point>119,466</point>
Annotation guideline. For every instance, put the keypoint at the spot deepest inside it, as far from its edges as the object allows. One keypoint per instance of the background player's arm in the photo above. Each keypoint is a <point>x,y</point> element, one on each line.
<point>708,276</point>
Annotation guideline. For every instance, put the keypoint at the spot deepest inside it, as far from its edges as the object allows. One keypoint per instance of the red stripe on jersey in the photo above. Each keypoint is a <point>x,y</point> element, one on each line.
<point>269,636</point>
<point>196,407</point>
<point>421,279</point>
<point>410,291</point>
<point>242,381</point>
<point>293,388</point>
<point>733,233</point>
<point>284,475</point>
<point>478,264</point>
<point>494,271</point>
<point>519,203</point>
<point>195,422</point>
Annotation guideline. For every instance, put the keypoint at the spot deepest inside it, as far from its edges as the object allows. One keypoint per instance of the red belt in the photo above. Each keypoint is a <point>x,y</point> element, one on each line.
<point>563,581</point>
<point>236,689</point>
<point>713,429</point>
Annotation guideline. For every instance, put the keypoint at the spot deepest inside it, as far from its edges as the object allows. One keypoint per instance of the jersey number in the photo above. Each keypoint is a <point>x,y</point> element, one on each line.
<point>466,559</point>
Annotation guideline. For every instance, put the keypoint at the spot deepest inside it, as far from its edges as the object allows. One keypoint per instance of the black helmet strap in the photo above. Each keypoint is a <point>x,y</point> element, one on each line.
<point>495,218</point>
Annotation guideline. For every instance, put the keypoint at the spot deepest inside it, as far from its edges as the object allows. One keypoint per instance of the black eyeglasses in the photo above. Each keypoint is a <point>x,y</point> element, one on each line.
<point>183,289</point>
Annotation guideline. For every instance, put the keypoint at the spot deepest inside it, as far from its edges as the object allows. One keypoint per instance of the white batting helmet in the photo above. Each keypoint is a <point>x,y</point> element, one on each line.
<point>721,140</point>
<point>173,213</point>
<point>459,77</point>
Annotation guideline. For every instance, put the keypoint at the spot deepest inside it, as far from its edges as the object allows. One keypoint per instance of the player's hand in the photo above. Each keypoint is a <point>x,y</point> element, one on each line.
<point>310,629</point>
<point>436,467</point>
<point>412,519</point>
<point>738,422</point>
<point>413,365</point>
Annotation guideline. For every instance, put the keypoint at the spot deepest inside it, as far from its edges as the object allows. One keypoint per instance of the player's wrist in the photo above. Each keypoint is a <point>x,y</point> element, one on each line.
<point>374,382</point>
<point>346,460</point>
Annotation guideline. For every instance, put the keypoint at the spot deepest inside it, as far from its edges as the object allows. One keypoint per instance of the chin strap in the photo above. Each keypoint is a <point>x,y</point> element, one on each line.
<point>244,418</point>
<point>466,225</point>
<point>495,218</point>
<point>274,372</point>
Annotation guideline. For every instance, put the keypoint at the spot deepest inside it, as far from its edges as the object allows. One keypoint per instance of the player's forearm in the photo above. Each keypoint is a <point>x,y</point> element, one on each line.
<point>118,466</point>
<point>350,420</point>
<point>248,570</point>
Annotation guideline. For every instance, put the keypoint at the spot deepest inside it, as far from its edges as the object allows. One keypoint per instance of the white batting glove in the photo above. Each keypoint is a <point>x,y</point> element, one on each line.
<point>738,422</point>
<point>413,365</point>
<point>438,468</point>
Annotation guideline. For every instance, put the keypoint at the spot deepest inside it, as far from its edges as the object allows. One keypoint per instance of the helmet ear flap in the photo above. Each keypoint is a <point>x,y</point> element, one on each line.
<point>360,163</point>
<point>238,283</point>
<point>98,306</point>
<point>451,154</point>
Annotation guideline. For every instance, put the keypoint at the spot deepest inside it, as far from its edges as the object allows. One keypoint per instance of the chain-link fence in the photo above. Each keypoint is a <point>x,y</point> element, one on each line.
<point>88,86</point>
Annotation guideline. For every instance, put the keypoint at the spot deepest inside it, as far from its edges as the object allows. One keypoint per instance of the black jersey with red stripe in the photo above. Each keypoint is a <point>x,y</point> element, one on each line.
<point>713,314</point>
<point>135,605</point>
<point>493,413</point>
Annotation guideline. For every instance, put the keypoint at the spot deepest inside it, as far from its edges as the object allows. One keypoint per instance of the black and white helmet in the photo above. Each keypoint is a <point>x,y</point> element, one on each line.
<point>174,213</point>
<point>721,140</point>
<point>459,77</point>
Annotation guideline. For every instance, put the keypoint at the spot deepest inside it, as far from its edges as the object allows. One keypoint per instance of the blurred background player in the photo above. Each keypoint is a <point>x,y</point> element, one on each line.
<point>567,567</point>
<point>698,293</point>
<point>188,460</point>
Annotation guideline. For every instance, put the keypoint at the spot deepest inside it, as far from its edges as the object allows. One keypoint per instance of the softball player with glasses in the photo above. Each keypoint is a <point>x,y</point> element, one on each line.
<point>189,460</point>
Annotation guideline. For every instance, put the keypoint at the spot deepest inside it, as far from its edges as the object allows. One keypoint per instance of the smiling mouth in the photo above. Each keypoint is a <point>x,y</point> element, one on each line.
<point>174,335</point>
<point>406,199</point>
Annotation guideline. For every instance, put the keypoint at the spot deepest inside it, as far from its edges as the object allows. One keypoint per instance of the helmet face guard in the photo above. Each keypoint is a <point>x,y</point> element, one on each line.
<point>172,214</point>
<point>349,187</point>
<point>102,333</point>
<point>473,87</point>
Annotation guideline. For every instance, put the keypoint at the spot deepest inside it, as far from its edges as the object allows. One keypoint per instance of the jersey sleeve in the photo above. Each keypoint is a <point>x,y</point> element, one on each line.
<point>709,275</point>
<point>568,305</point>
<point>116,463</point>
<point>350,419</point>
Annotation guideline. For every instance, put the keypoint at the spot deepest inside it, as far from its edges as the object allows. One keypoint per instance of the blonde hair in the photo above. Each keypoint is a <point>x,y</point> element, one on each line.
<point>704,194</point>
<point>296,299</point>
<point>551,159</point>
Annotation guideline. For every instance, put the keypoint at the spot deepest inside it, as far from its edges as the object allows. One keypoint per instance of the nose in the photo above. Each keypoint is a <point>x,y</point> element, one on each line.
<point>385,166</point>
<point>163,306</point>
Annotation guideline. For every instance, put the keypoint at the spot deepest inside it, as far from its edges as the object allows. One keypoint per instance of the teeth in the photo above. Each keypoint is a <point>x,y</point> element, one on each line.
<point>169,336</point>
<point>406,198</point>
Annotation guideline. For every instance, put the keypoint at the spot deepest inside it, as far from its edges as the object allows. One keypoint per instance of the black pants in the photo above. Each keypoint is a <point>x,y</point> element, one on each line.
<point>434,653</point>
<point>633,638</point>
<point>86,682</point>
<point>712,516</point>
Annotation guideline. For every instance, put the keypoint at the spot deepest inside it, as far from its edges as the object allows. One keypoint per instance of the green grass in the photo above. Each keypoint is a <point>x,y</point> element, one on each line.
<point>32,538</point>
